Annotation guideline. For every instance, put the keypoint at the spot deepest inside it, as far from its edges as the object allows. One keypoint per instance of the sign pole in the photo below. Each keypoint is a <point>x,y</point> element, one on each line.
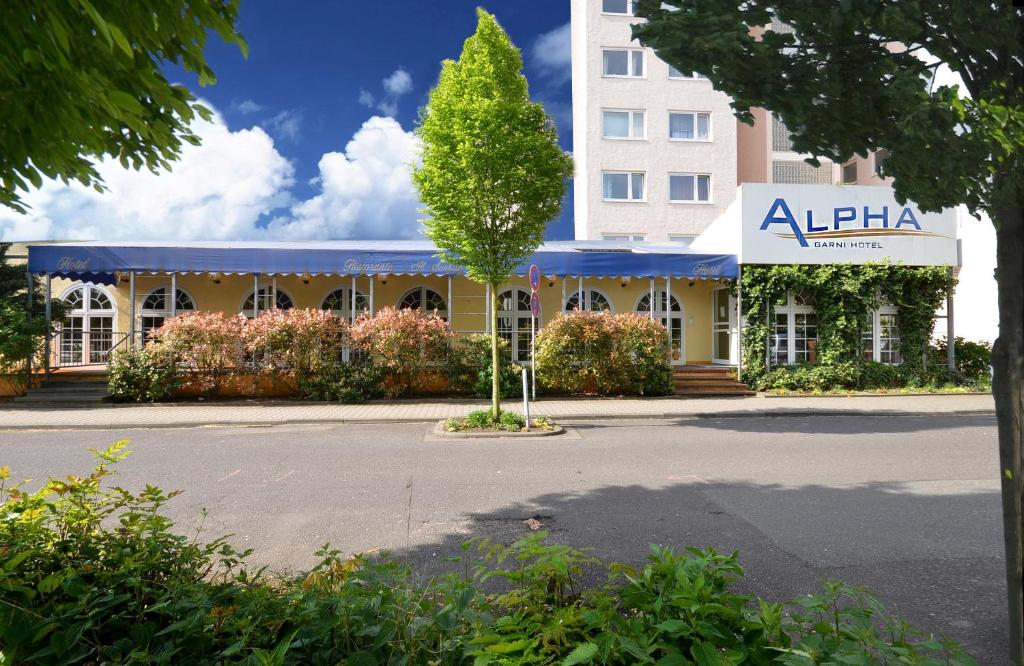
<point>533,357</point>
<point>534,315</point>
<point>526,401</point>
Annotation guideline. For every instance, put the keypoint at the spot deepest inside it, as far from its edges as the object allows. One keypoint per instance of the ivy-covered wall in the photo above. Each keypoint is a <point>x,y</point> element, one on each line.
<point>845,296</point>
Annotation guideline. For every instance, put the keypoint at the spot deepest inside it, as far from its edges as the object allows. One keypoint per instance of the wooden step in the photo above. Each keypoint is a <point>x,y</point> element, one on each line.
<point>707,380</point>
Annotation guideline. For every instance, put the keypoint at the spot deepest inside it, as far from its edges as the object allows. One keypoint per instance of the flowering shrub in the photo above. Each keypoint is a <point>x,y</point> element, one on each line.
<point>205,341</point>
<point>303,340</point>
<point>404,343</point>
<point>602,353</point>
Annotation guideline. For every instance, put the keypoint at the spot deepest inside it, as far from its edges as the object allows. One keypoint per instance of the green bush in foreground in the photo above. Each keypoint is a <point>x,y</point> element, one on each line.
<point>142,375</point>
<point>90,574</point>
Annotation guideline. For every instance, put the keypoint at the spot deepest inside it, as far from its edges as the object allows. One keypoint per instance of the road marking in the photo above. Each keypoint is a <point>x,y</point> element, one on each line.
<point>285,475</point>
<point>225,478</point>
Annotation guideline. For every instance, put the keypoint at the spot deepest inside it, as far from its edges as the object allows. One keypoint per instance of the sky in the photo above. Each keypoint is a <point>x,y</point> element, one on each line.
<point>312,134</point>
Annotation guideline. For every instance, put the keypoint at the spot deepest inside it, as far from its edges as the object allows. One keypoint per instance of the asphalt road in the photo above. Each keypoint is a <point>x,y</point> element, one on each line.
<point>908,506</point>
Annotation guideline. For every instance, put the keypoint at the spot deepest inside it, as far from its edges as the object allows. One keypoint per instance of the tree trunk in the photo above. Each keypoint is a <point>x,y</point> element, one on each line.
<point>495,356</point>
<point>1007,387</point>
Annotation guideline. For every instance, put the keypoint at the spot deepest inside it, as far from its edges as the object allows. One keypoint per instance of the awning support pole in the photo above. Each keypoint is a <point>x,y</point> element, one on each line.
<point>28,313</point>
<point>562,305</point>
<point>581,300</point>
<point>255,295</point>
<point>487,308</point>
<point>372,280</point>
<point>47,300</point>
<point>652,299</point>
<point>950,334</point>
<point>739,323</point>
<point>174,294</point>
<point>131,308</point>
<point>668,314</point>
<point>273,292</point>
<point>451,308</point>
<point>352,300</point>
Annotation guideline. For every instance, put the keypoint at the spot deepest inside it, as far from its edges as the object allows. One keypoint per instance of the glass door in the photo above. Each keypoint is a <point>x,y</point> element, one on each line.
<point>72,334</point>
<point>723,326</point>
<point>101,339</point>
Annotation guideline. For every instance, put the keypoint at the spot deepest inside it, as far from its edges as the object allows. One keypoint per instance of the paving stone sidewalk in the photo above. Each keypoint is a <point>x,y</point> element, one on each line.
<point>117,417</point>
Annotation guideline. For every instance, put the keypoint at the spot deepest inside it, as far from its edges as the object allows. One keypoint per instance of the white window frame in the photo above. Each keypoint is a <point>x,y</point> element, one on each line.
<point>632,114</point>
<point>630,69</point>
<point>588,300</point>
<point>876,335</point>
<point>624,237</point>
<point>145,312</point>
<point>681,76</point>
<point>630,9</point>
<point>711,191</point>
<point>791,309</point>
<point>629,180</point>
<point>695,114</point>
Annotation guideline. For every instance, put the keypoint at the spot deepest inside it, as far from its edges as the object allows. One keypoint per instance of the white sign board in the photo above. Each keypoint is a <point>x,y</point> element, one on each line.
<point>835,224</point>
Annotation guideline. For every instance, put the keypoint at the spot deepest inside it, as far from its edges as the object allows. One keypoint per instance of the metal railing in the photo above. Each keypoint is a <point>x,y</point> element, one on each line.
<point>76,348</point>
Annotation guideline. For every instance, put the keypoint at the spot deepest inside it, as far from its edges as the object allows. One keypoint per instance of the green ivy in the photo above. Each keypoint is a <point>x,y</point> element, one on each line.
<point>845,295</point>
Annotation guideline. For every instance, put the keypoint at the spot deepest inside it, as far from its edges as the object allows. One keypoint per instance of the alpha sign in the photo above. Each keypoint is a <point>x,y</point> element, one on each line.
<point>834,224</point>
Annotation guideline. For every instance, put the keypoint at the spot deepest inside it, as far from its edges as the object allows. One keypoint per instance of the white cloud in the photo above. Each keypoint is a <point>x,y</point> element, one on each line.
<point>218,190</point>
<point>366,191</point>
<point>286,124</point>
<point>247,107</point>
<point>552,54</point>
<point>396,85</point>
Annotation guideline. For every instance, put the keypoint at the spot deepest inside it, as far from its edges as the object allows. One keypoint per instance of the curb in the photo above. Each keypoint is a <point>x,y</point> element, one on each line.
<point>690,416</point>
<point>441,433</point>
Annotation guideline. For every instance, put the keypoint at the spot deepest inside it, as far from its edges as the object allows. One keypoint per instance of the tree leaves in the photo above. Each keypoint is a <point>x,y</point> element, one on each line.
<point>82,80</point>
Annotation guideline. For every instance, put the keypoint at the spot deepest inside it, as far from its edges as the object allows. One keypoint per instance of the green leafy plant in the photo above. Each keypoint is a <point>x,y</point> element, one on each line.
<point>470,367</point>
<point>354,381</point>
<point>601,353</point>
<point>973,359</point>
<point>142,375</point>
<point>93,573</point>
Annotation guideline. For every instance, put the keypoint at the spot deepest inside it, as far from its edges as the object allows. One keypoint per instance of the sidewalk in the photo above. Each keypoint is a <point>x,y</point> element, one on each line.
<point>120,417</point>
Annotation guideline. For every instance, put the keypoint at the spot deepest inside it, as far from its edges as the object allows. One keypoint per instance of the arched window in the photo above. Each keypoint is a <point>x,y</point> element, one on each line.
<point>671,317</point>
<point>424,298</point>
<point>593,300</point>
<point>514,321</point>
<point>282,302</point>
<point>794,330</point>
<point>340,303</point>
<point>156,307</point>
<point>87,332</point>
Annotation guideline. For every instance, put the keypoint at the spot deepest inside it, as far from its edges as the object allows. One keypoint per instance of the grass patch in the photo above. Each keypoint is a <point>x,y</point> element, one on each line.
<point>482,420</point>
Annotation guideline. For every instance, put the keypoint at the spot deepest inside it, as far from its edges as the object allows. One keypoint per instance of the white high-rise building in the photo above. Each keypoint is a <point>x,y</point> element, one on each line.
<point>655,148</point>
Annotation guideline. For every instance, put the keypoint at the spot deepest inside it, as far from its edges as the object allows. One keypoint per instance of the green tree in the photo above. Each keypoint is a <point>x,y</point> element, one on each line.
<point>82,80</point>
<point>858,75</point>
<point>493,174</point>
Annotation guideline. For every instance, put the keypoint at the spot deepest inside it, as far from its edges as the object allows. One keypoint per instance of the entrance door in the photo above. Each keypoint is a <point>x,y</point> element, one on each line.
<point>87,334</point>
<point>671,318</point>
<point>723,326</point>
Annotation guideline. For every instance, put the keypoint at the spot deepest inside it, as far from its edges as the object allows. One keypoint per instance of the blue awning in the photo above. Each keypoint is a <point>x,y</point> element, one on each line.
<point>589,259</point>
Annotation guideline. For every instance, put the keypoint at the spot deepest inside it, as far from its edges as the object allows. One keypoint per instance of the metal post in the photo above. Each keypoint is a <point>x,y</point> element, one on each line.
<point>28,314</point>
<point>487,309</point>
<point>950,334</point>
<point>372,280</point>
<point>526,401</point>
<point>47,300</point>
<point>668,316</point>
<point>255,295</point>
<point>174,294</point>
<point>352,300</point>
<point>451,310</point>
<point>131,308</point>
<point>652,299</point>
<point>533,355</point>
<point>273,292</point>
<point>581,299</point>
<point>768,340</point>
<point>739,323</point>
<point>561,306</point>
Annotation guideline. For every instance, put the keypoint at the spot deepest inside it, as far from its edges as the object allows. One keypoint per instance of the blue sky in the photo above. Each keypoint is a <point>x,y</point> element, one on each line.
<point>312,129</point>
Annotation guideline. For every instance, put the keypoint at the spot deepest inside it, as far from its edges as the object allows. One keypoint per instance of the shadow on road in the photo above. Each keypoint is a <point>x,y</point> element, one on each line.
<point>932,553</point>
<point>826,424</point>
